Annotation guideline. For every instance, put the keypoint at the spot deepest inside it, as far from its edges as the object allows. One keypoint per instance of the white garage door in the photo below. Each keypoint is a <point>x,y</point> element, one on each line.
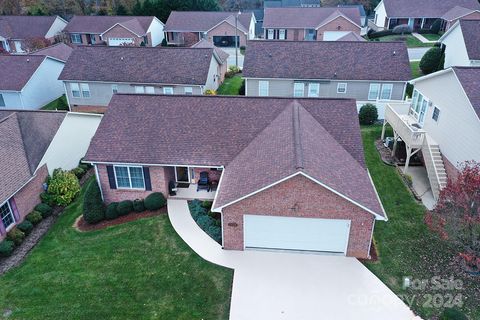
<point>334,35</point>
<point>291,233</point>
<point>119,41</point>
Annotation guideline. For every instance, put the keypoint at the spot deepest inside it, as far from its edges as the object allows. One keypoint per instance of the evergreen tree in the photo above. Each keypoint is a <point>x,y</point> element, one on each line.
<point>137,9</point>
<point>121,10</point>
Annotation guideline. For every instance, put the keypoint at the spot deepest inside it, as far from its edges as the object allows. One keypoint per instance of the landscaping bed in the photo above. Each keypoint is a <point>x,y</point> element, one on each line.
<point>231,86</point>
<point>210,222</point>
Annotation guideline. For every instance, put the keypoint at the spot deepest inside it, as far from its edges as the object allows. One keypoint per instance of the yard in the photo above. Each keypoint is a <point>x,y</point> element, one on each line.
<point>407,248</point>
<point>230,86</point>
<point>432,36</point>
<point>140,270</point>
<point>57,104</point>
<point>410,40</point>
<point>416,72</point>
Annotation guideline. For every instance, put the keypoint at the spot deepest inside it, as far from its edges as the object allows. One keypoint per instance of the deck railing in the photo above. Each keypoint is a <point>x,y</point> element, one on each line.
<point>396,114</point>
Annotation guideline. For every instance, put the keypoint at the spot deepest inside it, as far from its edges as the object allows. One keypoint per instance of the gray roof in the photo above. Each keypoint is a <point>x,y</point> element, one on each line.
<point>457,12</point>
<point>17,70</point>
<point>100,24</point>
<point>425,8</point>
<point>309,18</point>
<point>290,3</point>
<point>469,78</point>
<point>471,36</point>
<point>360,7</point>
<point>139,65</point>
<point>222,55</point>
<point>266,139</point>
<point>202,21</point>
<point>330,60</point>
<point>25,27</point>
<point>24,139</point>
<point>60,51</point>
<point>351,36</point>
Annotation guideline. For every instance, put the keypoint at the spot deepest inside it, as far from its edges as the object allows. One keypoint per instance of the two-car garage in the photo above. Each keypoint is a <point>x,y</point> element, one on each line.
<point>296,233</point>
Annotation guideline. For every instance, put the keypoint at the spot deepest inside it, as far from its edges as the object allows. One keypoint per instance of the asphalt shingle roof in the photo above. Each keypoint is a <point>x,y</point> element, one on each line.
<point>456,12</point>
<point>100,24</point>
<point>306,18</point>
<point>17,70</point>
<point>425,8</point>
<point>202,21</point>
<point>471,36</point>
<point>25,27</point>
<point>469,78</point>
<point>334,60</point>
<point>59,51</point>
<point>222,55</point>
<point>139,65</point>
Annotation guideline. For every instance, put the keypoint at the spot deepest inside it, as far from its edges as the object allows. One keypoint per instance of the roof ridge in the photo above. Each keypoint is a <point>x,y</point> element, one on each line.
<point>297,140</point>
<point>22,136</point>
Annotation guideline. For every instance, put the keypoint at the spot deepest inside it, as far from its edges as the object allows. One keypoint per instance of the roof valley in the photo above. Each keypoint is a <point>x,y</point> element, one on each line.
<point>297,141</point>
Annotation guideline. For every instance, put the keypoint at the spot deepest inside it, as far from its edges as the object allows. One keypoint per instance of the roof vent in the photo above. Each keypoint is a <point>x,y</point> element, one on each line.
<point>121,58</point>
<point>335,75</point>
<point>394,52</point>
<point>28,59</point>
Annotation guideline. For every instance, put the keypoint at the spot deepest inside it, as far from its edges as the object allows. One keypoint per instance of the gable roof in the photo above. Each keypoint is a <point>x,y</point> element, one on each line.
<point>425,8</point>
<point>24,138</point>
<point>222,55</point>
<point>100,24</point>
<point>471,36</point>
<point>457,12</point>
<point>273,137</point>
<point>358,60</point>
<point>17,70</point>
<point>291,3</point>
<point>203,21</point>
<point>307,18</point>
<point>139,65</point>
<point>469,78</point>
<point>360,8</point>
<point>25,27</point>
<point>60,51</point>
<point>351,36</point>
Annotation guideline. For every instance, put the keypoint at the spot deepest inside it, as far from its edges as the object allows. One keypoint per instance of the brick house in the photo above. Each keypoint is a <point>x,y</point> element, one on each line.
<point>115,31</point>
<point>31,142</point>
<point>189,71</point>
<point>310,24</point>
<point>270,158</point>
<point>185,28</point>
<point>17,33</point>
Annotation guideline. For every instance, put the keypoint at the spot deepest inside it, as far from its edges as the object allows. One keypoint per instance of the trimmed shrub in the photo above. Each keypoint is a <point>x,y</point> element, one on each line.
<point>402,29</point>
<point>204,222</point>
<point>379,34</point>
<point>124,207</point>
<point>241,91</point>
<point>78,172</point>
<point>368,114</point>
<point>452,314</point>
<point>155,201</point>
<point>16,236</point>
<point>64,187</point>
<point>44,209</point>
<point>210,92</point>
<point>207,204</point>
<point>6,248</point>
<point>34,217</point>
<point>215,232</point>
<point>138,205</point>
<point>84,166</point>
<point>47,198</point>
<point>432,60</point>
<point>196,209</point>
<point>25,226</point>
<point>93,207</point>
<point>436,25</point>
<point>111,212</point>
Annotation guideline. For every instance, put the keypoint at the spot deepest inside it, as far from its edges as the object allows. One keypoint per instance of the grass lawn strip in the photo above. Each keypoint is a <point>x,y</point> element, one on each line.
<point>230,86</point>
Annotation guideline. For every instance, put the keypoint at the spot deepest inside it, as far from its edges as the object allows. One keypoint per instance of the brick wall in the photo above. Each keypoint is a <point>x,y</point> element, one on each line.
<point>450,168</point>
<point>337,24</point>
<point>29,196</point>
<point>212,174</point>
<point>226,29</point>
<point>312,200</point>
<point>89,109</point>
<point>120,32</point>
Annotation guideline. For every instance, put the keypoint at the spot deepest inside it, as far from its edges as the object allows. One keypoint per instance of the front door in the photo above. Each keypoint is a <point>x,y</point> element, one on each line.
<point>182,174</point>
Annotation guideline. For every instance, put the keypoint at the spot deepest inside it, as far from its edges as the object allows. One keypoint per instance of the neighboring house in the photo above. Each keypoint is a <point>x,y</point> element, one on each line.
<point>33,144</point>
<point>115,31</point>
<point>370,72</point>
<point>422,14</point>
<point>137,70</point>
<point>219,53</point>
<point>258,13</point>
<point>292,3</point>
<point>59,51</point>
<point>361,9</point>
<point>272,159</point>
<point>29,81</point>
<point>462,44</point>
<point>310,24</point>
<point>441,122</point>
<point>17,33</point>
<point>184,28</point>
<point>351,36</point>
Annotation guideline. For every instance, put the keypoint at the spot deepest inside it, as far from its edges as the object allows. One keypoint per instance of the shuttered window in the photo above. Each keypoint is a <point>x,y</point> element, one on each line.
<point>129,177</point>
<point>6,214</point>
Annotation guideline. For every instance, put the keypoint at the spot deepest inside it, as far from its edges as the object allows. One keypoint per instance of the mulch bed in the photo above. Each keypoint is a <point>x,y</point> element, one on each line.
<point>373,254</point>
<point>385,153</point>
<point>82,225</point>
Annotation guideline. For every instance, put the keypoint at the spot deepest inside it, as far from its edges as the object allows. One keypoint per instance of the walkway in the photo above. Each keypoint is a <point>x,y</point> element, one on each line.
<point>422,38</point>
<point>279,285</point>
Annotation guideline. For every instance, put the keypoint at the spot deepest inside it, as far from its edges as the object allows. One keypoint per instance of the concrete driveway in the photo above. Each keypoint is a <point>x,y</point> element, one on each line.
<point>416,53</point>
<point>231,58</point>
<point>280,285</point>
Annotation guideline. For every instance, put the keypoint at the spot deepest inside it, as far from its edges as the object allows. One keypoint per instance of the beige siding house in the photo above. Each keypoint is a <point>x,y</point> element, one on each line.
<point>461,43</point>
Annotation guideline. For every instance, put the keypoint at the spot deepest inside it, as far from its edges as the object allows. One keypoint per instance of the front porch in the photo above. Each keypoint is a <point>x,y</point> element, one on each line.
<point>194,183</point>
<point>190,192</point>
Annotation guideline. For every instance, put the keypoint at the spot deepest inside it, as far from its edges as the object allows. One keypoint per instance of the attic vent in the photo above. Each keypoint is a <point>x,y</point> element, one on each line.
<point>394,53</point>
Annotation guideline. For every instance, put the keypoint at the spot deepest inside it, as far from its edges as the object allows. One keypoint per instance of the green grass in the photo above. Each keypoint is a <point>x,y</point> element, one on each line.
<point>410,40</point>
<point>416,72</point>
<point>137,270</point>
<point>407,248</point>
<point>230,86</point>
<point>432,36</point>
<point>57,104</point>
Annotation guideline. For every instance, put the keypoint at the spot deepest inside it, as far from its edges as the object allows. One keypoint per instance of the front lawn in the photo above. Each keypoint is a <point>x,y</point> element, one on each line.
<point>432,36</point>
<point>230,86</point>
<point>57,104</point>
<point>416,72</point>
<point>407,248</point>
<point>137,270</point>
<point>410,40</point>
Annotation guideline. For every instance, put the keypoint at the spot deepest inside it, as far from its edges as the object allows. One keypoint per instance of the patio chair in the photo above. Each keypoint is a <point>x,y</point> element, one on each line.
<point>203,183</point>
<point>172,188</point>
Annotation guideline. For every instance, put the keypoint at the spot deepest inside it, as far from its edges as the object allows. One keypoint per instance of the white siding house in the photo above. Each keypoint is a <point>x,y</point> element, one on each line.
<point>156,31</point>
<point>380,15</point>
<point>461,44</point>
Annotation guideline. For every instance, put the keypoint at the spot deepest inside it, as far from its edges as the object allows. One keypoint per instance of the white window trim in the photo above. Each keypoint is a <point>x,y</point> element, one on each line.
<point>72,37</point>
<point>82,91</point>
<point>338,87</point>
<point>11,213</point>
<point>295,90</point>
<point>139,89</point>
<point>150,90</point>
<point>188,90</point>
<point>190,174</point>
<point>433,112</point>
<point>370,90</point>
<point>77,89</point>
<point>165,89</point>
<point>2,98</point>
<point>129,177</point>
<point>267,88</point>
<point>280,34</point>
<point>314,85</point>
<point>270,34</point>
<point>391,91</point>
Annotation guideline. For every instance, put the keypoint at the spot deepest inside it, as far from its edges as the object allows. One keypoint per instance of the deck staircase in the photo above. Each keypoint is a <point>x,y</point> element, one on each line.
<point>434,165</point>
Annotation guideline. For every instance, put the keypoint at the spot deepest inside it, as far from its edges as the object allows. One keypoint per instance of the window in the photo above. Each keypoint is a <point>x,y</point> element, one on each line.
<point>299,89</point>
<point>310,34</point>
<point>76,38</point>
<point>436,113</point>
<point>314,90</point>
<point>342,88</point>
<point>150,90</point>
<point>188,90</point>
<point>139,89</point>
<point>386,93</point>
<point>263,88</point>
<point>114,88</point>
<point>7,215</point>
<point>75,90</point>
<point>282,34</point>
<point>270,33</point>
<point>167,90</point>
<point>129,177</point>
<point>373,92</point>
<point>85,90</point>
<point>2,101</point>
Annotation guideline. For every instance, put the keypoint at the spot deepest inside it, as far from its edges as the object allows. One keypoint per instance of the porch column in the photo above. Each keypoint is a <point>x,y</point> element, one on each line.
<point>423,22</point>
<point>383,129</point>
<point>407,161</point>
<point>395,138</point>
